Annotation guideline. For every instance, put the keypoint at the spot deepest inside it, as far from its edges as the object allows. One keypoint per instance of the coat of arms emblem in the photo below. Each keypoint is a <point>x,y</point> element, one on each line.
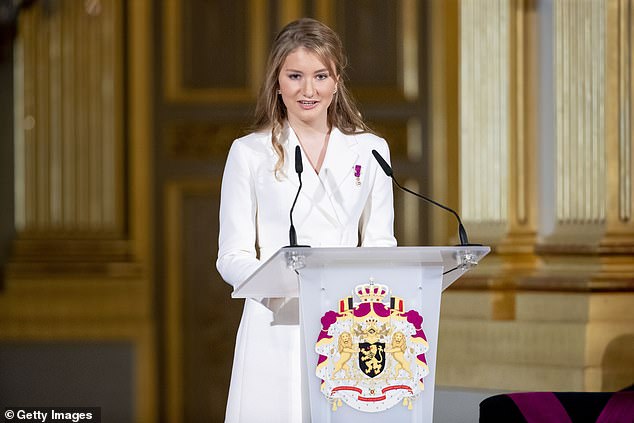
<point>371,351</point>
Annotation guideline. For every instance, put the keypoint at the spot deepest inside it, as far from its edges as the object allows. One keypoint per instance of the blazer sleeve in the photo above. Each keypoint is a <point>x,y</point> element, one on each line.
<point>377,220</point>
<point>237,258</point>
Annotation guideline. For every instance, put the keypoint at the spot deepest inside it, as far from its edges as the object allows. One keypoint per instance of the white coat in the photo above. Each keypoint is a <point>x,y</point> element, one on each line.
<point>335,208</point>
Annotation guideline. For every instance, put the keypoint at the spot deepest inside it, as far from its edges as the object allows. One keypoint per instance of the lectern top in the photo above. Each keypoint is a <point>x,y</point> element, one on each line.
<point>277,277</point>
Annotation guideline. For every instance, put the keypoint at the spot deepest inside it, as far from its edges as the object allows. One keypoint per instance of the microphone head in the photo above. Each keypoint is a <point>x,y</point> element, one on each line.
<point>299,167</point>
<point>386,167</point>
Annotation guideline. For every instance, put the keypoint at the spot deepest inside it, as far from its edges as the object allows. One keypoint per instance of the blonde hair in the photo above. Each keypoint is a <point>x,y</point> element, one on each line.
<point>270,111</point>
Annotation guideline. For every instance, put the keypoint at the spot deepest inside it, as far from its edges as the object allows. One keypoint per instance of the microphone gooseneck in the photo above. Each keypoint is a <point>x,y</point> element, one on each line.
<point>462,232</point>
<point>299,168</point>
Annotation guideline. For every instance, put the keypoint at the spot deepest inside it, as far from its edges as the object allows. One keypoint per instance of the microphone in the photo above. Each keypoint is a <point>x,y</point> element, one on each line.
<point>462,232</point>
<point>299,168</point>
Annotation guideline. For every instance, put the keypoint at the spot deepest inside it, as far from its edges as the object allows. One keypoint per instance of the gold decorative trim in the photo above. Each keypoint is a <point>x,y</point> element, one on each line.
<point>201,140</point>
<point>518,111</point>
<point>522,205</point>
<point>626,94</point>
<point>174,193</point>
<point>140,198</point>
<point>409,49</point>
<point>619,227</point>
<point>172,59</point>
<point>443,115</point>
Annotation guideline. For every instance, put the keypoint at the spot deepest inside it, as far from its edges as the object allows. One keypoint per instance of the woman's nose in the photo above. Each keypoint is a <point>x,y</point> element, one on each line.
<point>309,90</point>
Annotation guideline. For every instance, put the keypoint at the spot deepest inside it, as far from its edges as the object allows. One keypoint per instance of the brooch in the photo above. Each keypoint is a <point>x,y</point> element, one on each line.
<point>357,174</point>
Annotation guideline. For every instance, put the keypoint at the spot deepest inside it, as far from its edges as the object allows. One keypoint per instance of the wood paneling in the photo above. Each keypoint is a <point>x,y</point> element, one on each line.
<point>201,317</point>
<point>214,52</point>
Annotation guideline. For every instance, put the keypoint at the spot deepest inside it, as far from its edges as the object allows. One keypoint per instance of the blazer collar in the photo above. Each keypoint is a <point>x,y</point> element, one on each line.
<point>339,162</point>
<point>340,159</point>
<point>322,189</point>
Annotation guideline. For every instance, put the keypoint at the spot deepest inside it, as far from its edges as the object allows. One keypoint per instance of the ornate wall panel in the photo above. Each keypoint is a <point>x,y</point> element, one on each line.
<point>69,119</point>
<point>200,140</point>
<point>201,316</point>
<point>389,28</point>
<point>214,52</point>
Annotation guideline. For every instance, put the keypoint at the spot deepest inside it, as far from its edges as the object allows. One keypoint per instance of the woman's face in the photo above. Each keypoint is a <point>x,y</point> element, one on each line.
<point>307,88</point>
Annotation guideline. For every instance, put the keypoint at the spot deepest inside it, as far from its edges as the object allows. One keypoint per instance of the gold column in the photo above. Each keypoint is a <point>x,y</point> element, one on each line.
<point>557,281</point>
<point>484,116</point>
<point>580,144</point>
<point>619,234</point>
<point>498,127</point>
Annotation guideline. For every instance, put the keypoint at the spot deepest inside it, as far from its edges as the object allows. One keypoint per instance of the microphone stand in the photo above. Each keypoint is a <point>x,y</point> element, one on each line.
<point>299,168</point>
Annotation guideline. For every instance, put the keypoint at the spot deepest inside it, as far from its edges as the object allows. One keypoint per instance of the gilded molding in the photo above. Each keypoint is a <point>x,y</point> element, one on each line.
<point>173,85</point>
<point>174,268</point>
<point>201,140</point>
<point>519,111</point>
<point>409,49</point>
<point>443,116</point>
<point>626,94</point>
<point>619,225</point>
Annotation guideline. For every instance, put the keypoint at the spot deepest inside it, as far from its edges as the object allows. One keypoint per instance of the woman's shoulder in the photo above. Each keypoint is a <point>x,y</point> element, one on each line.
<point>254,141</point>
<point>257,137</point>
<point>369,140</point>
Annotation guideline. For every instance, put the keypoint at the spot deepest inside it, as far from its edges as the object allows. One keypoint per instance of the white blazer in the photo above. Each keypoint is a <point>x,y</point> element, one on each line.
<point>335,208</point>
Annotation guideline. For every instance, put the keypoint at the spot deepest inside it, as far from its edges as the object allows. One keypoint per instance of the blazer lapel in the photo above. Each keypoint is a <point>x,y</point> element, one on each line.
<point>313,190</point>
<point>338,168</point>
<point>339,162</point>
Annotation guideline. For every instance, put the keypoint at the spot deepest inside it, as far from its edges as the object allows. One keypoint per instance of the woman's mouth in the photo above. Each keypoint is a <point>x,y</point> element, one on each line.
<point>307,104</point>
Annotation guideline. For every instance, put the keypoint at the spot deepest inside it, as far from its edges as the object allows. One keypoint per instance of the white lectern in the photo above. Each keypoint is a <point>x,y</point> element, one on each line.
<point>360,315</point>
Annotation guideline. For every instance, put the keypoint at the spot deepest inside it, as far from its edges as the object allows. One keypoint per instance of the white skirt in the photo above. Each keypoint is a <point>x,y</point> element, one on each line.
<point>266,376</point>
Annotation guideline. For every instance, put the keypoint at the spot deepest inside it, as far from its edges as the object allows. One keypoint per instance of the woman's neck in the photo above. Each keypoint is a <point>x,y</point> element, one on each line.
<point>305,130</point>
<point>314,142</point>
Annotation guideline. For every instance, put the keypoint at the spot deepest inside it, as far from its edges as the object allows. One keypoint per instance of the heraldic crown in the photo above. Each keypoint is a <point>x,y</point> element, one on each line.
<point>371,292</point>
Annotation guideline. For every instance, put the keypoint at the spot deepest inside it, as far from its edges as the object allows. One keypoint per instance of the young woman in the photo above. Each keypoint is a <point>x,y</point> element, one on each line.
<point>346,201</point>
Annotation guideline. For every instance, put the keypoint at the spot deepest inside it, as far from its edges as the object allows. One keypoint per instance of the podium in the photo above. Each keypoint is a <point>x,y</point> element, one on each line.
<point>369,325</point>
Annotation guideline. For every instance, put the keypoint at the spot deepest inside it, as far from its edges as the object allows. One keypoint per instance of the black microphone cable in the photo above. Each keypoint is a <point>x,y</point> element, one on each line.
<point>462,233</point>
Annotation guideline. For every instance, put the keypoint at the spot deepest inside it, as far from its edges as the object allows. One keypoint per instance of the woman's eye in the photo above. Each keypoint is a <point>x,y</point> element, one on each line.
<point>322,76</point>
<point>294,76</point>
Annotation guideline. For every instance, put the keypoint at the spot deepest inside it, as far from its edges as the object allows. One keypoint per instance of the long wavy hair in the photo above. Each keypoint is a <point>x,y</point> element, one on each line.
<point>270,111</point>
